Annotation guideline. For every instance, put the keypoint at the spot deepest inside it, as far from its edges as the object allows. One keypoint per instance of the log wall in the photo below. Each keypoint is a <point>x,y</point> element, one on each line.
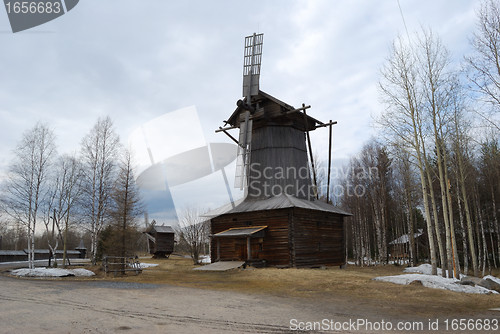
<point>164,243</point>
<point>275,248</point>
<point>318,238</point>
<point>295,237</point>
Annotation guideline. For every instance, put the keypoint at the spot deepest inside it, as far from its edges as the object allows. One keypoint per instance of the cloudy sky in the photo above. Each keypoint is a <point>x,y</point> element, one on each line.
<point>135,60</point>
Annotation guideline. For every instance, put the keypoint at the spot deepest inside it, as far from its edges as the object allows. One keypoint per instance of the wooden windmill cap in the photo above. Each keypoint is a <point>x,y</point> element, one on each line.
<point>269,110</point>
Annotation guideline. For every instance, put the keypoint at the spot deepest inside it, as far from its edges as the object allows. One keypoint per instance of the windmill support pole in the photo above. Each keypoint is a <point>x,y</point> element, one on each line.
<point>228,134</point>
<point>310,152</point>
<point>329,162</point>
<point>249,249</point>
<point>227,187</point>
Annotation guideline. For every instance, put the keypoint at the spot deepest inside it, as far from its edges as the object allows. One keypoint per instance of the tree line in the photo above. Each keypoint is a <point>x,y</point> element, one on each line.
<point>435,171</point>
<point>93,190</point>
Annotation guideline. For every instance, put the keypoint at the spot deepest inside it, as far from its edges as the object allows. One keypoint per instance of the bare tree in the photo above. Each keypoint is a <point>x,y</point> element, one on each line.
<point>127,207</point>
<point>99,151</point>
<point>406,193</point>
<point>437,84</point>
<point>193,230</point>
<point>65,192</point>
<point>460,138</point>
<point>25,190</point>
<point>402,120</point>
<point>484,64</point>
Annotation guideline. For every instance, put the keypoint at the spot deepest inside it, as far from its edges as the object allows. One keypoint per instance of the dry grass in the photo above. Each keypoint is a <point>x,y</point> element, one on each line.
<point>352,284</point>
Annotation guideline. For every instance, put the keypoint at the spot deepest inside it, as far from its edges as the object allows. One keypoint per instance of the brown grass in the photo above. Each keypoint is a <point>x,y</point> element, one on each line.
<point>352,284</point>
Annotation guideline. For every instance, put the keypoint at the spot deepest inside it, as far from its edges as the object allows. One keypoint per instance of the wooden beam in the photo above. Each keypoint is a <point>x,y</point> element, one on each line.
<point>304,107</point>
<point>249,249</point>
<point>326,124</point>
<point>329,163</point>
<point>218,249</point>
<point>221,129</point>
<point>228,134</point>
<point>150,237</point>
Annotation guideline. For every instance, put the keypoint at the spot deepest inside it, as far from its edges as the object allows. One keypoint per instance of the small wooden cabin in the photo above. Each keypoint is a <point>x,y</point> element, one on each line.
<point>81,249</point>
<point>70,254</point>
<point>399,248</point>
<point>161,240</point>
<point>282,231</point>
<point>40,254</point>
<point>13,255</point>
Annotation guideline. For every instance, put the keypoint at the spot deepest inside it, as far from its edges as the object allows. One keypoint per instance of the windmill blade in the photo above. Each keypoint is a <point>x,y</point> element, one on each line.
<point>243,155</point>
<point>251,74</point>
<point>251,65</point>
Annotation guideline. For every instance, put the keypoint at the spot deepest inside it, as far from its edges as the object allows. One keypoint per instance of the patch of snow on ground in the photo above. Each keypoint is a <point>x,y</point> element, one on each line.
<point>435,282</point>
<point>425,269</point>
<point>147,265</point>
<point>51,272</point>
<point>493,278</point>
<point>205,259</point>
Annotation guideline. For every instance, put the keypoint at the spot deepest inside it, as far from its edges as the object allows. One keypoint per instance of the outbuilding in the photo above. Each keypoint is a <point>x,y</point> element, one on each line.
<point>161,240</point>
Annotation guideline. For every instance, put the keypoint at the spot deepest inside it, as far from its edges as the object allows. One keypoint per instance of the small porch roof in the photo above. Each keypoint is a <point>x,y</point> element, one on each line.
<point>242,232</point>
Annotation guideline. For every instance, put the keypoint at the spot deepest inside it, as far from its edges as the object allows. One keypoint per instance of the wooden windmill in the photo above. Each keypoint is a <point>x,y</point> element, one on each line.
<point>280,222</point>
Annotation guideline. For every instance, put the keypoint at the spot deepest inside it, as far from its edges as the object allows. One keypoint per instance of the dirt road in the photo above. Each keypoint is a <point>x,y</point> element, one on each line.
<point>41,306</point>
<point>71,306</point>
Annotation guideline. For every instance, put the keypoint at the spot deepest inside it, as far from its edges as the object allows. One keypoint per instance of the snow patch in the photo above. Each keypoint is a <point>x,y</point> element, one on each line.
<point>51,272</point>
<point>205,259</point>
<point>435,282</point>
<point>423,273</point>
<point>425,269</point>
<point>493,278</point>
<point>147,265</point>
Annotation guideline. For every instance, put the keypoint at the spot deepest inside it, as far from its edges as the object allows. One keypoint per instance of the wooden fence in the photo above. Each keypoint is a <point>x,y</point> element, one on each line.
<point>116,264</point>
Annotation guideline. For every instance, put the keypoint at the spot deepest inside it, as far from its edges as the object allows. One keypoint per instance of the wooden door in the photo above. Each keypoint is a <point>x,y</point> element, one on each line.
<point>241,251</point>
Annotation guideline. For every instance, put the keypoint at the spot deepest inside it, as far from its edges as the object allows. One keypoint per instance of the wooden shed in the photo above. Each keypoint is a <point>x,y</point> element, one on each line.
<point>399,248</point>
<point>161,240</point>
<point>281,231</point>
<point>40,254</point>
<point>13,255</point>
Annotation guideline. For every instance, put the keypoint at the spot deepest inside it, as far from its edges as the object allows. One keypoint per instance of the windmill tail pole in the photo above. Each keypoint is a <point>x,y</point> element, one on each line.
<point>310,152</point>
<point>329,162</point>
<point>228,189</point>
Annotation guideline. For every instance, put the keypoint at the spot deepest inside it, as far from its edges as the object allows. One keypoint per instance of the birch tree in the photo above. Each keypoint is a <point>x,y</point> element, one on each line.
<point>461,148</point>
<point>409,187</point>
<point>437,84</point>
<point>402,121</point>
<point>65,193</point>
<point>484,63</point>
<point>25,189</point>
<point>99,150</point>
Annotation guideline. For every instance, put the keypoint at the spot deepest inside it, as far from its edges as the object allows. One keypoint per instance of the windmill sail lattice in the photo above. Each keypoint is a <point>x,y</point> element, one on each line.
<point>251,74</point>
<point>251,64</point>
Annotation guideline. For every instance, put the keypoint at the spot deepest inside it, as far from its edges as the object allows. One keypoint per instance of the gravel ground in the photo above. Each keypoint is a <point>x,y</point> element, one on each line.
<point>71,306</point>
<point>55,306</point>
